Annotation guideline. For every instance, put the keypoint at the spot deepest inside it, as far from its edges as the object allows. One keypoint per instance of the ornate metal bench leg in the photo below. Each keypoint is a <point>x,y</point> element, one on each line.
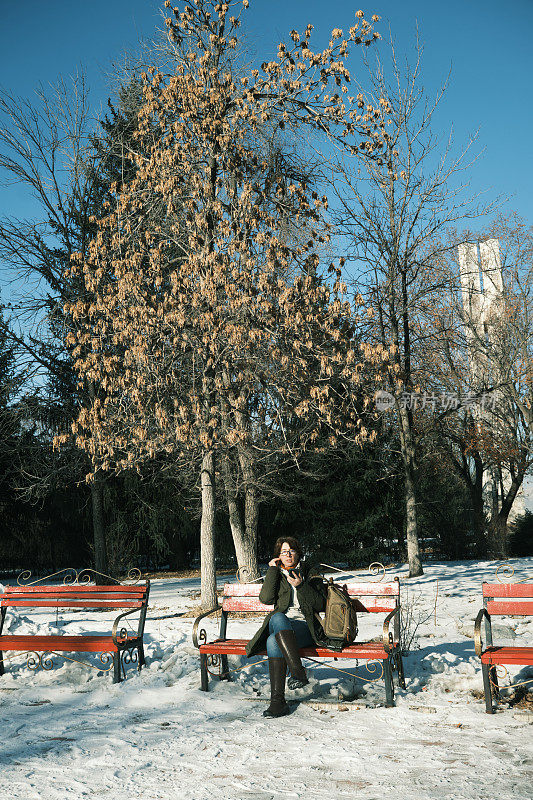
<point>116,668</point>
<point>204,676</point>
<point>399,665</point>
<point>494,683</point>
<point>141,661</point>
<point>389,687</point>
<point>2,670</point>
<point>487,689</point>
<point>224,670</point>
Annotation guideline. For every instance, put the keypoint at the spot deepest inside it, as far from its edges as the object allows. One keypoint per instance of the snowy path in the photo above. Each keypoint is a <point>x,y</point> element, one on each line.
<point>72,732</point>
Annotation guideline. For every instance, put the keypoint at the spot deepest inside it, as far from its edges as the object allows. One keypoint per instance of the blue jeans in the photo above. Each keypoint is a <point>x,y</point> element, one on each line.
<point>280,622</point>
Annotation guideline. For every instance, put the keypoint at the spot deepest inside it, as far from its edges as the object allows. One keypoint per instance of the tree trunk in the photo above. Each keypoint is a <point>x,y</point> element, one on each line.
<point>244,538</point>
<point>411,528</point>
<point>402,545</point>
<point>476,493</point>
<point>244,534</point>
<point>101,564</point>
<point>207,533</point>
<point>251,519</point>
<point>401,338</point>
<point>474,484</point>
<point>473,479</point>
<point>497,536</point>
<point>251,513</point>
<point>101,560</point>
<point>411,522</point>
<point>478,513</point>
<point>497,527</point>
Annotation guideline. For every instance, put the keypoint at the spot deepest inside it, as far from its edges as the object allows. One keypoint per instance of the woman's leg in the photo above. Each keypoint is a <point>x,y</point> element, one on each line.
<point>277,668</point>
<point>302,638</point>
<point>278,622</point>
<point>289,641</point>
<point>302,633</point>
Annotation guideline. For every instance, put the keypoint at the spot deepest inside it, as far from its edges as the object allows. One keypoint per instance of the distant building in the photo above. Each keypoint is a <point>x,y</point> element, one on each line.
<point>481,289</point>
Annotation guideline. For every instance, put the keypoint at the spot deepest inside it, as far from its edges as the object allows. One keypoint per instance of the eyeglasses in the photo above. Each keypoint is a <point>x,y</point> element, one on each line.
<point>288,552</point>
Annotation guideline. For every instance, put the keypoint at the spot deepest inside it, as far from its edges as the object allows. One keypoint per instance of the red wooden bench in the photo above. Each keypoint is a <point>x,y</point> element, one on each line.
<point>122,646</point>
<point>501,599</point>
<point>370,597</point>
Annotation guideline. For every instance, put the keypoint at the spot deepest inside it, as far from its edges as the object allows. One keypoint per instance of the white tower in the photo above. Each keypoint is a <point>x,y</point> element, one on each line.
<point>482,290</point>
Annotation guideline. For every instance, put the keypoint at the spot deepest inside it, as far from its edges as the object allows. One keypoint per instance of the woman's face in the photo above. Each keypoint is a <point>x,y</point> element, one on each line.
<point>289,558</point>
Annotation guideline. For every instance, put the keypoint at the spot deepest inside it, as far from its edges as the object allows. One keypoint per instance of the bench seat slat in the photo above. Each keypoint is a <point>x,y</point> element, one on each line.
<point>362,650</point>
<point>522,608</point>
<point>521,656</point>
<point>81,644</point>
<point>508,590</point>
<point>62,602</point>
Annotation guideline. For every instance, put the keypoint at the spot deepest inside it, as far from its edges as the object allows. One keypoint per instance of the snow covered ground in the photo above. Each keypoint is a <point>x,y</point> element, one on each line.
<point>71,732</point>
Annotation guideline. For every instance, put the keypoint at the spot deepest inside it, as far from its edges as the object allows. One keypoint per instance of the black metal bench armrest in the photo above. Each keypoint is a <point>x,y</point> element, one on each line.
<point>203,635</point>
<point>388,641</point>
<point>478,644</point>
<point>123,633</point>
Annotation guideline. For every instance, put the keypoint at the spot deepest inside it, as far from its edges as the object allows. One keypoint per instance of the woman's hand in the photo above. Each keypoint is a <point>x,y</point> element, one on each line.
<point>294,581</point>
<point>274,562</point>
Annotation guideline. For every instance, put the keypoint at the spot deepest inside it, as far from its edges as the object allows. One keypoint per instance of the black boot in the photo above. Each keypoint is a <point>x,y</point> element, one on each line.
<point>289,647</point>
<point>278,707</point>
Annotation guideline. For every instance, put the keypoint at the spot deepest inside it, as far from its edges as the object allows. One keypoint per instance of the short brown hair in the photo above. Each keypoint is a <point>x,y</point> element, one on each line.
<point>293,543</point>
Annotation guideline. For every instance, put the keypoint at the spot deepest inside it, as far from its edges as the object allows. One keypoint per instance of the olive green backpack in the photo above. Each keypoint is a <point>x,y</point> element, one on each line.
<point>340,618</point>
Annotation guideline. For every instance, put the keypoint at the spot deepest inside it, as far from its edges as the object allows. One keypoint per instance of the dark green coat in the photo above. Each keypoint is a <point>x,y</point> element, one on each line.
<point>276,589</point>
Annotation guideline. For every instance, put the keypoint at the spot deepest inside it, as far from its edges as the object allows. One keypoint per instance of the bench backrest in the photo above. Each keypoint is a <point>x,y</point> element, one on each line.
<point>508,598</point>
<point>75,596</point>
<point>372,597</point>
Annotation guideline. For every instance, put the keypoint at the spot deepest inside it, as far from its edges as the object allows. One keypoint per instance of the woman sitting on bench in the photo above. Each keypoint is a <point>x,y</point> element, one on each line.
<point>297,592</point>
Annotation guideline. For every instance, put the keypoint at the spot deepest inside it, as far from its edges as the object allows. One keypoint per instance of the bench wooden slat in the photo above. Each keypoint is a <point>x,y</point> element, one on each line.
<point>367,589</point>
<point>80,644</point>
<point>242,589</point>
<point>370,597</point>
<point>366,604</point>
<point>63,603</point>
<point>361,650</point>
<point>245,604</point>
<point>373,589</point>
<point>73,588</point>
<point>508,590</point>
<point>114,598</point>
<point>520,656</point>
<point>510,607</point>
<point>375,604</point>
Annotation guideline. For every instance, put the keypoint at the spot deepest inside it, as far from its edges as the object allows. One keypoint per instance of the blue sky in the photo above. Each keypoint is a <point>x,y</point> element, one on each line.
<point>487,45</point>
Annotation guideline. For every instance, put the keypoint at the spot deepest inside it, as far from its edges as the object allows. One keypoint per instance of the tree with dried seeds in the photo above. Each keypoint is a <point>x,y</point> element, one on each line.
<point>209,330</point>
